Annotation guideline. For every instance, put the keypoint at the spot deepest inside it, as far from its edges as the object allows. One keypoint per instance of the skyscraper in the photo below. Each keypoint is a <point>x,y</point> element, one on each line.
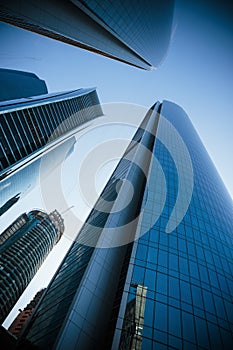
<point>17,84</point>
<point>24,245</point>
<point>136,33</point>
<point>19,322</point>
<point>152,267</point>
<point>28,125</point>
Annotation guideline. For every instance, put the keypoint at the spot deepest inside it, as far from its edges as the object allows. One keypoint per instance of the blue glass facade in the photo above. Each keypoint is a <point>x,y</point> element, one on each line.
<point>137,33</point>
<point>86,263</point>
<point>187,272</point>
<point>144,26</point>
<point>171,288</point>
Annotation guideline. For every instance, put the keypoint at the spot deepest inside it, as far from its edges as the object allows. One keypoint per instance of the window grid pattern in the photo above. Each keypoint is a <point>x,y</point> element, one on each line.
<point>22,253</point>
<point>27,130</point>
<point>188,273</point>
<point>140,25</point>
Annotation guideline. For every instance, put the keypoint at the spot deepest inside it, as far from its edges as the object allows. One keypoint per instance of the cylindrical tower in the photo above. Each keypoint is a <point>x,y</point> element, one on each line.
<point>24,245</point>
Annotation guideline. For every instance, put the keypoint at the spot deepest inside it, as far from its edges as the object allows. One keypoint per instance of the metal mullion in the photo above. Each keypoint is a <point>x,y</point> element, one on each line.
<point>5,154</point>
<point>19,134</point>
<point>39,143</point>
<point>84,106</point>
<point>41,111</point>
<point>42,122</point>
<point>84,103</point>
<point>6,139</point>
<point>70,112</point>
<point>26,121</point>
<point>75,112</point>
<point>59,107</point>
<point>35,116</point>
<point>53,106</point>
<point>51,120</point>
<point>29,128</point>
<point>66,119</point>
<point>61,114</point>
<point>12,134</point>
<point>24,131</point>
<point>54,119</point>
<point>79,110</point>
<point>68,115</point>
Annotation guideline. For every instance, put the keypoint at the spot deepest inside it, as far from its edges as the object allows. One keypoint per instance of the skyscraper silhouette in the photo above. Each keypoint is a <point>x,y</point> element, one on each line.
<point>151,267</point>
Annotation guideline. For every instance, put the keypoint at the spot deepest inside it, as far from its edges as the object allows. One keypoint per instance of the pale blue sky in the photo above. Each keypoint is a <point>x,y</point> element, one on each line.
<point>197,73</point>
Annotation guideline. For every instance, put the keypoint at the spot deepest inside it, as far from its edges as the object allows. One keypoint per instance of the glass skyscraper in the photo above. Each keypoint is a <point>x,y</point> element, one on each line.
<point>17,84</point>
<point>30,124</point>
<point>188,272</point>
<point>24,245</point>
<point>134,32</point>
<point>152,267</point>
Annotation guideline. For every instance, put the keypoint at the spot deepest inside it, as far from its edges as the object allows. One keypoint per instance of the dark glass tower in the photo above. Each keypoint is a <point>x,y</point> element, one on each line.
<point>155,271</point>
<point>137,33</point>
<point>186,265</point>
<point>24,245</point>
<point>17,84</point>
<point>28,125</point>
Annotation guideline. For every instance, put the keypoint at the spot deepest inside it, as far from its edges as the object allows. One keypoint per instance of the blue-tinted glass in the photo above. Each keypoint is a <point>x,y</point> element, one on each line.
<point>174,289</point>
<point>161,317</point>
<point>188,327</point>
<point>202,332</point>
<point>174,321</point>
<point>161,285</point>
<point>197,297</point>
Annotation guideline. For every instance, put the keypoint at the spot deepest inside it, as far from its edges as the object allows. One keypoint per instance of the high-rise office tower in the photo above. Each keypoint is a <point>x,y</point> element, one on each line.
<point>19,322</point>
<point>152,267</point>
<point>137,33</point>
<point>30,124</point>
<point>17,84</point>
<point>24,245</point>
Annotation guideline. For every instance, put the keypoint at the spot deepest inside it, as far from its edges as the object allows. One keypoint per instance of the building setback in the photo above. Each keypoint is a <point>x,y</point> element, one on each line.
<point>137,33</point>
<point>24,245</point>
<point>141,282</point>
<point>28,125</point>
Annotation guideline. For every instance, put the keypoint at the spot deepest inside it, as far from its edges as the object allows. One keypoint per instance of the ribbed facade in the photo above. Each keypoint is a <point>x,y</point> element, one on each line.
<point>29,125</point>
<point>24,245</point>
<point>165,281</point>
